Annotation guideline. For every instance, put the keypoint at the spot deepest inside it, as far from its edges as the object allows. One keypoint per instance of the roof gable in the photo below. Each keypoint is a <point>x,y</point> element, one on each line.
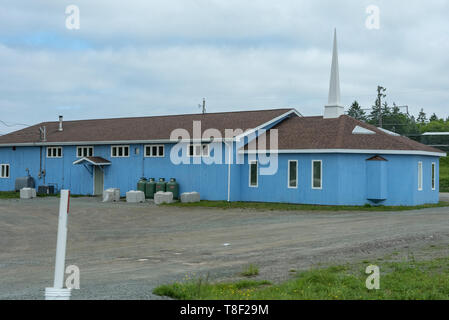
<point>316,133</point>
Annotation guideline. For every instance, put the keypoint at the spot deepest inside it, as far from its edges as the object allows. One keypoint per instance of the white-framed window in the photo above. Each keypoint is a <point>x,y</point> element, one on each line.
<point>420,176</point>
<point>155,150</point>
<point>434,168</point>
<point>119,151</point>
<point>54,152</point>
<point>253,174</point>
<point>292,174</point>
<point>317,174</point>
<point>4,171</point>
<point>198,150</point>
<point>82,152</point>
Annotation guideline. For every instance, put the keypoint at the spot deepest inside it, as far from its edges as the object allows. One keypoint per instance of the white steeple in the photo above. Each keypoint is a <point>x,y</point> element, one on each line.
<point>334,109</point>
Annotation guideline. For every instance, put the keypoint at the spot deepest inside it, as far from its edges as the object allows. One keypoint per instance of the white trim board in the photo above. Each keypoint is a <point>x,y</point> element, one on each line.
<point>363,151</point>
<point>248,132</point>
<point>91,162</point>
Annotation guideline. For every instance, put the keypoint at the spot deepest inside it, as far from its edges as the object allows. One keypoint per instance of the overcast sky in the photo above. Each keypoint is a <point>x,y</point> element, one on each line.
<point>137,58</point>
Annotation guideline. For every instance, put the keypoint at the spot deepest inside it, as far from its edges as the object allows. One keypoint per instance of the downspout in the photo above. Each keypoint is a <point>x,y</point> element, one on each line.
<point>229,172</point>
<point>143,160</point>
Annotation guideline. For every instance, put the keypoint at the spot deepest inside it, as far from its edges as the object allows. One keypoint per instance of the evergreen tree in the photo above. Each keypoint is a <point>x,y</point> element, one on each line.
<point>422,117</point>
<point>374,116</point>
<point>434,117</point>
<point>356,112</point>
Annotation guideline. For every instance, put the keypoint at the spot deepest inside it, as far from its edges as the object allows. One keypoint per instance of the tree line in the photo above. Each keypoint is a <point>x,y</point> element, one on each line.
<point>397,118</point>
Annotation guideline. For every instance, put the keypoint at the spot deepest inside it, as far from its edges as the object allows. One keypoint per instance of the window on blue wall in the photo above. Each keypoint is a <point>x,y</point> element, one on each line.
<point>154,151</point>
<point>4,171</point>
<point>253,174</point>
<point>84,152</point>
<point>293,174</point>
<point>420,176</point>
<point>433,175</point>
<point>317,175</point>
<point>198,150</point>
<point>54,152</point>
<point>119,151</point>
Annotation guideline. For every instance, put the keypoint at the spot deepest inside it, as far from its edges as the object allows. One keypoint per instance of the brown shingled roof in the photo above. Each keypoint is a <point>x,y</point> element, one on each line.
<point>140,129</point>
<point>318,133</point>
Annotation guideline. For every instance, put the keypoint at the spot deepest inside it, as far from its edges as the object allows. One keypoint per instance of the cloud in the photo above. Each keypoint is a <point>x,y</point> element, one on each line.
<point>162,57</point>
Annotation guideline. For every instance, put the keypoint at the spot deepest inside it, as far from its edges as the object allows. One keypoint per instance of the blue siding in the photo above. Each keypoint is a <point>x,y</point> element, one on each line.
<point>344,181</point>
<point>344,176</point>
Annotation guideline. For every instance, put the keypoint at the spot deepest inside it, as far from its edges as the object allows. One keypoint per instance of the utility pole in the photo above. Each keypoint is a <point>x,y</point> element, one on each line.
<point>380,95</point>
<point>203,106</point>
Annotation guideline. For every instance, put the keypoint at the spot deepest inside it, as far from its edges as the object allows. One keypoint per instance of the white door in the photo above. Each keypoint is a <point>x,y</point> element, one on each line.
<point>98,181</point>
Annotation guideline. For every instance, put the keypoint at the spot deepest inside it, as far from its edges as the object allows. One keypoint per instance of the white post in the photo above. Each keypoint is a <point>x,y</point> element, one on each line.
<point>58,292</point>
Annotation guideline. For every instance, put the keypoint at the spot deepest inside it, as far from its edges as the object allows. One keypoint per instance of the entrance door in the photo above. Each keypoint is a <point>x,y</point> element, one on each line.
<point>98,181</point>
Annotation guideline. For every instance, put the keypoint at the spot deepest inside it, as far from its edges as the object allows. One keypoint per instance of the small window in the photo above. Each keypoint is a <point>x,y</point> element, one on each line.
<point>198,150</point>
<point>54,152</point>
<point>420,176</point>
<point>84,152</point>
<point>317,176</point>
<point>433,176</point>
<point>293,174</point>
<point>119,151</point>
<point>154,151</point>
<point>253,174</point>
<point>4,174</point>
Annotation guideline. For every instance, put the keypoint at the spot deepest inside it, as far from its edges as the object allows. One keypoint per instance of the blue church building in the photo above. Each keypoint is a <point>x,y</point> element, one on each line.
<point>265,156</point>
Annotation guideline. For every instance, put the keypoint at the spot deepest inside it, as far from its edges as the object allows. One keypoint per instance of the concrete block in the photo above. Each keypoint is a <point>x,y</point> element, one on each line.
<point>190,197</point>
<point>116,197</point>
<point>111,195</point>
<point>108,195</point>
<point>135,196</point>
<point>27,193</point>
<point>163,197</point>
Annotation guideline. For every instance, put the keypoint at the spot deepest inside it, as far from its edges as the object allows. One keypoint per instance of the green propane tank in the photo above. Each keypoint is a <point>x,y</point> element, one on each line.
<point>161,185</point>
<point>141,184</point>
<point>150,188</point>
<point>173,187</point>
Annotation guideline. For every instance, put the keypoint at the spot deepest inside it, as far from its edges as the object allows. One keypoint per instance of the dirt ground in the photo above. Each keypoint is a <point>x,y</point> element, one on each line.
<point>125,250</point>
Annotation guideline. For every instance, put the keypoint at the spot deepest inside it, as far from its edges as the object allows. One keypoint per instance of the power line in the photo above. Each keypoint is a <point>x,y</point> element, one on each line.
<point>14,124</point>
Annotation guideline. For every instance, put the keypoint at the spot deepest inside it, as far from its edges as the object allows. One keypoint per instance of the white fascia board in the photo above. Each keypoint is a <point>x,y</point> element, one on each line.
<point>91,162</point>
<point>391,133</point>
<point>121,142</point>
<point>351,151</point>
<point>436,134</point>
<point>248,132</point>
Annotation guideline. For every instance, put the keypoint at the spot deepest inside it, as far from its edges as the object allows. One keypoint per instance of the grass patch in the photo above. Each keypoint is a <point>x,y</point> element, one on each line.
<point>16,195</point>
<point>444,174</point>
<point>405,280</point>
<point>9,195</point>
<point>299,207</point>
<point>250,271</point>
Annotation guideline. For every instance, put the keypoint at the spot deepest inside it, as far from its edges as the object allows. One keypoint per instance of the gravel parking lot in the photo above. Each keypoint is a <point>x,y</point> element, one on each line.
<point>125,250</point>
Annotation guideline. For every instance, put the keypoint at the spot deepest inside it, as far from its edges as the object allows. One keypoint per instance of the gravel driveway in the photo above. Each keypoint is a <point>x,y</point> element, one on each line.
<point>125,250</point>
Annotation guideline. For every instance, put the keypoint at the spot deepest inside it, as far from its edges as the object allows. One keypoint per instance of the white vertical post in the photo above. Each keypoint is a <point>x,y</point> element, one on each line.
<point>57,292</point>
